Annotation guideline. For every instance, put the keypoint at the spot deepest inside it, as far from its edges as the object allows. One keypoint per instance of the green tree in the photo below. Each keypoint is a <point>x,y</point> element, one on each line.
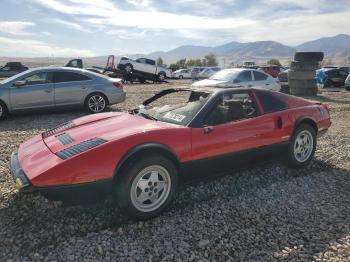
<point>159,61</point>
<point>194,62</point>
<point>274,61</point>
<point>181,63</point>
<point>210,60</point>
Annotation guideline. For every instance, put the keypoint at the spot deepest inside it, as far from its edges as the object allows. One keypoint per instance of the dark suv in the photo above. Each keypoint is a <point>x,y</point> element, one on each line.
<point>11,69</point>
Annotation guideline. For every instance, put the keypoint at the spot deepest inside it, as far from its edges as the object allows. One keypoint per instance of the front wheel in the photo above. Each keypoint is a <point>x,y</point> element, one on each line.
<point>96,103</point>
<point>146,187</point>
<point>3,110</point>
<point>302,146</point>
<point>161,76</point>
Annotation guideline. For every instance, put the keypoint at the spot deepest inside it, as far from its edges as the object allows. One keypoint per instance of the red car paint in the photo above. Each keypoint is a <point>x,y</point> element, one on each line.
<point>271,70</point>
<point>124,131</point>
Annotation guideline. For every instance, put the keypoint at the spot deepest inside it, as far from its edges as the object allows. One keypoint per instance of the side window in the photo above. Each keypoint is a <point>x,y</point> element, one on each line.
<point>150,62</point>
<point>270,102</point>
<point>61,77</point>
<point>245,76</point>
<point>343,73</point>
<point>141,60</point>
<point>258,76</point>
<point>37,79</point>
<point>231,107</point>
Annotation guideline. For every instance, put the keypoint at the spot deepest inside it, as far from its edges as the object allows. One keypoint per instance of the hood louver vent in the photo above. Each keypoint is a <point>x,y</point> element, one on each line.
<point>58,129</point>
<point>79,148</point>
<point>65,139</point>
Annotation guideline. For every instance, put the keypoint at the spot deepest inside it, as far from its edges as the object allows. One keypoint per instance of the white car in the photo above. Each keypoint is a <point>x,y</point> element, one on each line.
<point>182,73</point>
<point>241,77</point>
<point>144,66</point>
<point>347,83</point>
<point>208,72</point>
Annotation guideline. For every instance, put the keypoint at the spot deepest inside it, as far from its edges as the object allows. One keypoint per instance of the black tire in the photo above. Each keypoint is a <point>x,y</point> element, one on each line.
<point>347,88</point>
<point>300,84</point>
<point>128,68</point>
<point>291,158</point>
<point>181,76</point>
<point>285,89</point>
<point>309,56</point>
<point>3,110</point>
<point>161,76</point>
<point>301,75</point>
<point>307,66</point>
<point>97,96</point>
<point>304,91</point>
<point>124,185</point>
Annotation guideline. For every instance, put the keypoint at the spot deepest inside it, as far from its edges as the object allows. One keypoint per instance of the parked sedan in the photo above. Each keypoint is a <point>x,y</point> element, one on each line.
<point>208,72</point>
<point>59,87</point>
<point>11,69</point>
<point>331,77</point>
<point>182,73</point>
<point>141,156</point>
<point>242,77</point>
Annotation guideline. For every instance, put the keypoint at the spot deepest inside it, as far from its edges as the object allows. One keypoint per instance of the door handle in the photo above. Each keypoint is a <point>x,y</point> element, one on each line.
<point>208,129</point>
<point>83,87</point>
<point>267,84</point>
<point>48,91</point>
<point>250,85</point>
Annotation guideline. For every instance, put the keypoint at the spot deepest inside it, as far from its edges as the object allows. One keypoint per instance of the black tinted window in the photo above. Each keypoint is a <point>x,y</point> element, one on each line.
<point>245,76</point>
<point>258,76</point>
<point>60,77</point>
<point>269,102</point>
<point>150,62</point>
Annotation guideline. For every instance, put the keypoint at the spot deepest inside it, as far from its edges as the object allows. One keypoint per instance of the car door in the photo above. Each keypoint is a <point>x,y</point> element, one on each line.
<point>262,79</point>
<point>245,78</point>
<point>70,87</point>
<point>246,129</point>
<point>35,91</point>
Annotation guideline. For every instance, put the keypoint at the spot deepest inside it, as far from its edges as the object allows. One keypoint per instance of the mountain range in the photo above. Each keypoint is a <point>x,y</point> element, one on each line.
<point>336,48</point>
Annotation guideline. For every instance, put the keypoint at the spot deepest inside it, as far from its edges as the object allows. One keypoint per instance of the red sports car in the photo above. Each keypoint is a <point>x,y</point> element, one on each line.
<point>142,155</point>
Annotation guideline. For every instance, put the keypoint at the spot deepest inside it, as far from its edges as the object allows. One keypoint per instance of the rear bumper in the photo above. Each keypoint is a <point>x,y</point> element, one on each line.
<point>117,97</point>
<point>22,182</point>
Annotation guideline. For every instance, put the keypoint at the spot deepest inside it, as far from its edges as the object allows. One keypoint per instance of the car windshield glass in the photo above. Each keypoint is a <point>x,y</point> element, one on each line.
<point>224,75</point>
<point>178,107</point>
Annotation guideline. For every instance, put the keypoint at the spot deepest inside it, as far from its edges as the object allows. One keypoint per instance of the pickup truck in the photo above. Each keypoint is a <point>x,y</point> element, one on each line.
<point>144,68</point>
<point>11,69</point>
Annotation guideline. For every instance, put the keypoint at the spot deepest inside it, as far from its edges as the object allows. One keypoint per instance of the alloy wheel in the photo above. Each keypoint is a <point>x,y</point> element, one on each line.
<point>97,103</point>
<point>303,146</point>
<point>150,188</point>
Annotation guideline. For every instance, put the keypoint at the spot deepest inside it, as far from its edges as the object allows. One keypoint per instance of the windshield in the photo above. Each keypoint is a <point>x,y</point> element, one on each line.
<point>224,75</point>
<point>177,107</point>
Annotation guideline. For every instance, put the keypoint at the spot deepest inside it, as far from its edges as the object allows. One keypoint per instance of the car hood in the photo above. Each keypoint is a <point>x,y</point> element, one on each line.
<point>107,126</point>
<point>209,82</point>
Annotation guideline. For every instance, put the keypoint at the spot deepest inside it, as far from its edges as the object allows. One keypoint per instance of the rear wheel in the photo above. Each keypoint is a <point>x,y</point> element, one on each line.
<point>302,146</point>
<point>129,68</point>
<point>3,110</point>
<point>96,103</point>
<point>146,186</point>
<point>161,76</point>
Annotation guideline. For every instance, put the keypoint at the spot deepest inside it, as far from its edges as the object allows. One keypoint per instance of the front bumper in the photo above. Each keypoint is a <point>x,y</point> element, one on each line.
<point>21,180</point>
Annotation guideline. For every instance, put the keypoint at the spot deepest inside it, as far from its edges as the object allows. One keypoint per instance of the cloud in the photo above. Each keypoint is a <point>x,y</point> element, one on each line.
<point>70,25</point>
<point>12,46</point>
<point>15,27</point>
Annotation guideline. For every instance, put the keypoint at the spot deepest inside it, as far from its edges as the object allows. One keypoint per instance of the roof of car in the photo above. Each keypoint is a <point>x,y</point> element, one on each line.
<point>58,68</point>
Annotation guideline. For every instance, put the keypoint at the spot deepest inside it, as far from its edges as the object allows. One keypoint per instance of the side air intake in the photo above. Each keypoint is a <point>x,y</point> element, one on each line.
<point>79,148</point>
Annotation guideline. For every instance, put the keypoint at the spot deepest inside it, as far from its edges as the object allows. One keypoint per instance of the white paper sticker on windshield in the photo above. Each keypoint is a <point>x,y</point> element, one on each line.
<point>174,116</point>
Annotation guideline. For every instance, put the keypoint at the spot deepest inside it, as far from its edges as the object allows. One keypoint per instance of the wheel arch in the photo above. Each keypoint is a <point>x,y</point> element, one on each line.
<point>306,120</point>
<point>4,103</point>
<point>146,149</point>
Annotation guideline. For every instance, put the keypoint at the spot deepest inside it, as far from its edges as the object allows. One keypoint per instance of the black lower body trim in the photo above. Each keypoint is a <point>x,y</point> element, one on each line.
<point>211,167</point>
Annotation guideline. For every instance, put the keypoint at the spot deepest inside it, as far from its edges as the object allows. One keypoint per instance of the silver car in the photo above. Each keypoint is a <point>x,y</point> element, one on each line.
<point>49,87</point>
<point>241,77</point>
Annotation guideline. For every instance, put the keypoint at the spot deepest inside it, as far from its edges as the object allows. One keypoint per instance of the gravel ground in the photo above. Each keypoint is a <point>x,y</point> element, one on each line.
<point>265,213</point>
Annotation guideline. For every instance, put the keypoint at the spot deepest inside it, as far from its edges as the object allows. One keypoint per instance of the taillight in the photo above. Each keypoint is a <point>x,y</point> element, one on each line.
<point>118,84</point>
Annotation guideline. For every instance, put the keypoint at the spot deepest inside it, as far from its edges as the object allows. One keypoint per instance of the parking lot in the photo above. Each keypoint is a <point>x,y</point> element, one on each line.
<point>263,213</point>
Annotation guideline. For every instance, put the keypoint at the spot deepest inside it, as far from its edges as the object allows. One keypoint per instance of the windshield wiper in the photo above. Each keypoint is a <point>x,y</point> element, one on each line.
<point>147,116</point>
